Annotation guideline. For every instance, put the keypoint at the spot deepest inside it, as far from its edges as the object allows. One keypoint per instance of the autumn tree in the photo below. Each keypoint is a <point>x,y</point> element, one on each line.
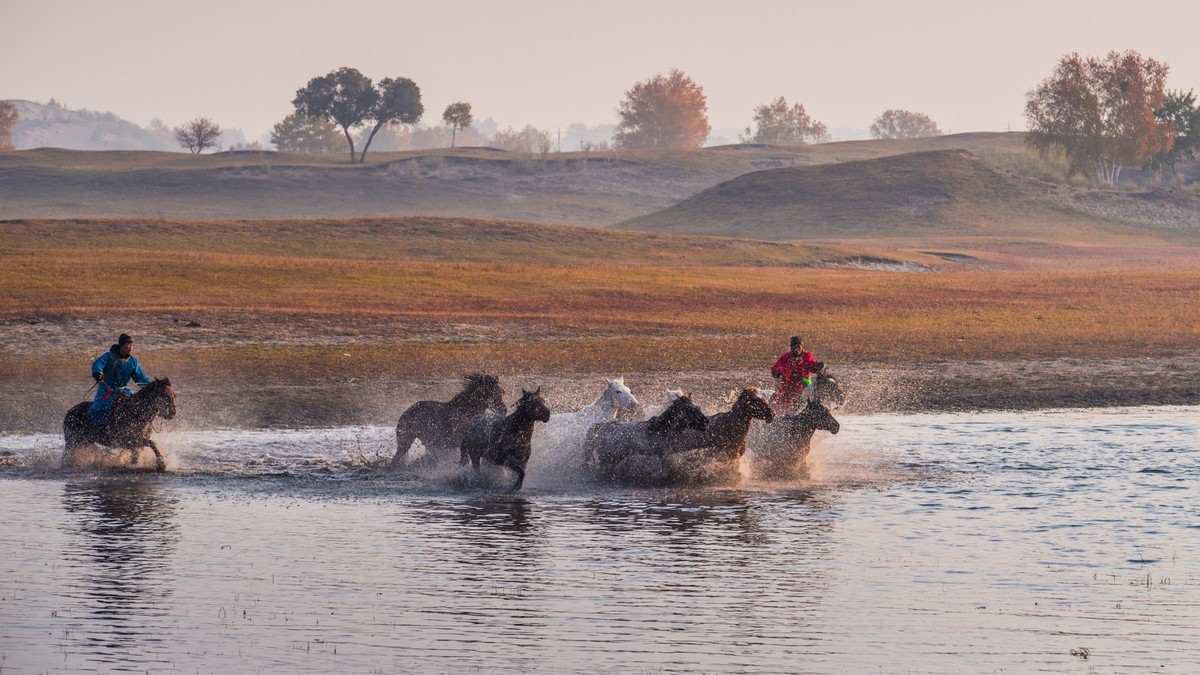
<point>1178,109</point>
<point>1101,113</point>
<point>8,120</point>
<point>457,116</point>
<point>904,124</point>
<point>777,123</point>
<point>198,135</point>
<point>313,135</point>
<point>663,112</point>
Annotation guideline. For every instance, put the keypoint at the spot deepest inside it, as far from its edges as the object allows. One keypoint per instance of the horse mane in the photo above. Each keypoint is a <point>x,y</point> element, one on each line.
<point>661,422</point>
<point>473,385</point>
<point>152,388</point>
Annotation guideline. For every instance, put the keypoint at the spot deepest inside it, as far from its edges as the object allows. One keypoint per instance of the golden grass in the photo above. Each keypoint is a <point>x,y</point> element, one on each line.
<point>546,299</point>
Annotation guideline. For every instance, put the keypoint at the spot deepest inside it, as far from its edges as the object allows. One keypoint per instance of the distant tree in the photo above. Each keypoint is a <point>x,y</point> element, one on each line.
<point>8,120</point>
<point>457,116</point>
<point>399,102</point>
<point>1180,110</point>
<point>344,96</point>
<point>313,135</point>
<point>780,124</point>
<point>1101,112</point>
<point>528,140</point>
<point>663,112</point>
<point>198,135</point>
<point>904,124</point>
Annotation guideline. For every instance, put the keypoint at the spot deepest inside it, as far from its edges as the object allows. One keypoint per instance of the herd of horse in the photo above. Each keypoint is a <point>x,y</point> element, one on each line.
<point>612,440</point>
<point>677,445</point>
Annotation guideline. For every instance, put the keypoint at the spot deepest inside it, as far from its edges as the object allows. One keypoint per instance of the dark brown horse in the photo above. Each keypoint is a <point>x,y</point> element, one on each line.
<point>506,440</point>
<point>441,426</point>
<point>780,451</point>
<point>128,425</point>
<point>618,450</point>
<point>715,453</point>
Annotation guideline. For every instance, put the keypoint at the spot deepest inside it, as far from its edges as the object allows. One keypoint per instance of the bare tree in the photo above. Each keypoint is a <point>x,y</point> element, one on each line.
<point>8,120</point>
<point>663,112</point>
<point>904,124</point>
<point>198,135</point>
<point>457,116</point>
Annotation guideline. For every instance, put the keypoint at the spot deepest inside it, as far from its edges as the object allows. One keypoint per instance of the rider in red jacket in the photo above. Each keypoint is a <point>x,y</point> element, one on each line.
<point>793,372</point>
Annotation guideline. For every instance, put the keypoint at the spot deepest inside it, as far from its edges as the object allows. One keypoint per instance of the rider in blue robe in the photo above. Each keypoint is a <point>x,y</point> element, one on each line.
<point>112,372</point>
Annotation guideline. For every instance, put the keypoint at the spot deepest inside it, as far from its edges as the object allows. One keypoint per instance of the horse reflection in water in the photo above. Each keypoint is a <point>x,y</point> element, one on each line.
<point>632,452</point>
<point>125,539</point>
<point>780,451</point>
<point>441,426</point>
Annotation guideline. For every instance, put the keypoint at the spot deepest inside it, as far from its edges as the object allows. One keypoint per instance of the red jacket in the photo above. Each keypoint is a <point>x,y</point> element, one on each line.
<point>793,370</point>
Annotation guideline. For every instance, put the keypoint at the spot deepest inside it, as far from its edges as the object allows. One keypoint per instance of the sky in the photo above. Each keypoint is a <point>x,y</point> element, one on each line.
<point>966,64</point>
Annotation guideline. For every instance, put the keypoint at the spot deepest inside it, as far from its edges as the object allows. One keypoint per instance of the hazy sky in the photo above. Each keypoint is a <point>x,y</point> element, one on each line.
<point>966,64</point>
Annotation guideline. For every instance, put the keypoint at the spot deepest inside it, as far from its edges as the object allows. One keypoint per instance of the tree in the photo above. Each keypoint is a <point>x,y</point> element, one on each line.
<point>1180,110</point>
<point>663,112</point>
<point>457,116</point>
<point>8,120</point>
<point>198,135</point>
<point>399,102</point>
<point>527,141</point>
<point>313,135</point>
<point>1101,113</point>
<point>779,124</point>
<point>344,96</point>
<point>904,124</point>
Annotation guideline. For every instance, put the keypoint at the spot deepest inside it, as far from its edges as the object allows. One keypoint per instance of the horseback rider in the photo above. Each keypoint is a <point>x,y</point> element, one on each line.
<point>112,371</point>
<point>793,372</point>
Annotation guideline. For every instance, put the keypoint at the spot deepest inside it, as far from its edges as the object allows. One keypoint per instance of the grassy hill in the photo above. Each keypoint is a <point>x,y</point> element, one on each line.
<point>909,199</point>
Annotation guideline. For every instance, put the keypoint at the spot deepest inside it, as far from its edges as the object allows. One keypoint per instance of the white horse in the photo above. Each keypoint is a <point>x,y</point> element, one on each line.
<point>558,444</point>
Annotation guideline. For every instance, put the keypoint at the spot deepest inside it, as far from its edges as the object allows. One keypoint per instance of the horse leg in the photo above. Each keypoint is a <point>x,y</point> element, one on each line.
<point>520,477</point>
<point>404,441</point>
<point>160,464</point>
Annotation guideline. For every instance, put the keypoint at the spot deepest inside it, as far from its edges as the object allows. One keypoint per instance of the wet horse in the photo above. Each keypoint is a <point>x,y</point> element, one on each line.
<point>506,440</point>
<point>780,451</point>
<point>619,450</point>
<point>441,426</point>
<point>562,437</point>
<point>715,453</point>
<point>128,427</point>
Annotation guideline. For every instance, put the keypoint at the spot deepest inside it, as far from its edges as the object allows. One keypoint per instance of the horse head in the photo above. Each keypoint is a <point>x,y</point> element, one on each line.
<point>531,404</point>
<point>751,403</point>
<point>681,414</point>
<point>817,416</point>
<point>826,388</point>
<point>619,395</point>
<point>484,389</point>
<point>160,396</point>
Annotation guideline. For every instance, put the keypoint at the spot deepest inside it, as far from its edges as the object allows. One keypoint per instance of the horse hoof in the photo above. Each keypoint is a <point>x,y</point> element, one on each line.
<point>160,466</point>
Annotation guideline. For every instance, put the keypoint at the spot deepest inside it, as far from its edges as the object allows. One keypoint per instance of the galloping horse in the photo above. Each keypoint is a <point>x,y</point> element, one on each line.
<point>441,426</point>
<point>781,450</point>
<point>610,444</point>
<point>563,435</point>
<point>128,425</point>
<point>714,454</point>
<point>506,441</point>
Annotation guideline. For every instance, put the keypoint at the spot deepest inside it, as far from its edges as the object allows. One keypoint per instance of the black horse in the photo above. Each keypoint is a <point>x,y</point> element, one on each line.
<point>715,453</point>
<point>827,390</point>
<point>441,426</point>
<point>505,440</point>
<point>128,425</point>
<point>616,450</point>
<point>781,450</point>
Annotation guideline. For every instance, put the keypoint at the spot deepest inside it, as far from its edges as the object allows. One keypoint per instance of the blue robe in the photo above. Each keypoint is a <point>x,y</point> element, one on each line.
<point>116,373</point>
